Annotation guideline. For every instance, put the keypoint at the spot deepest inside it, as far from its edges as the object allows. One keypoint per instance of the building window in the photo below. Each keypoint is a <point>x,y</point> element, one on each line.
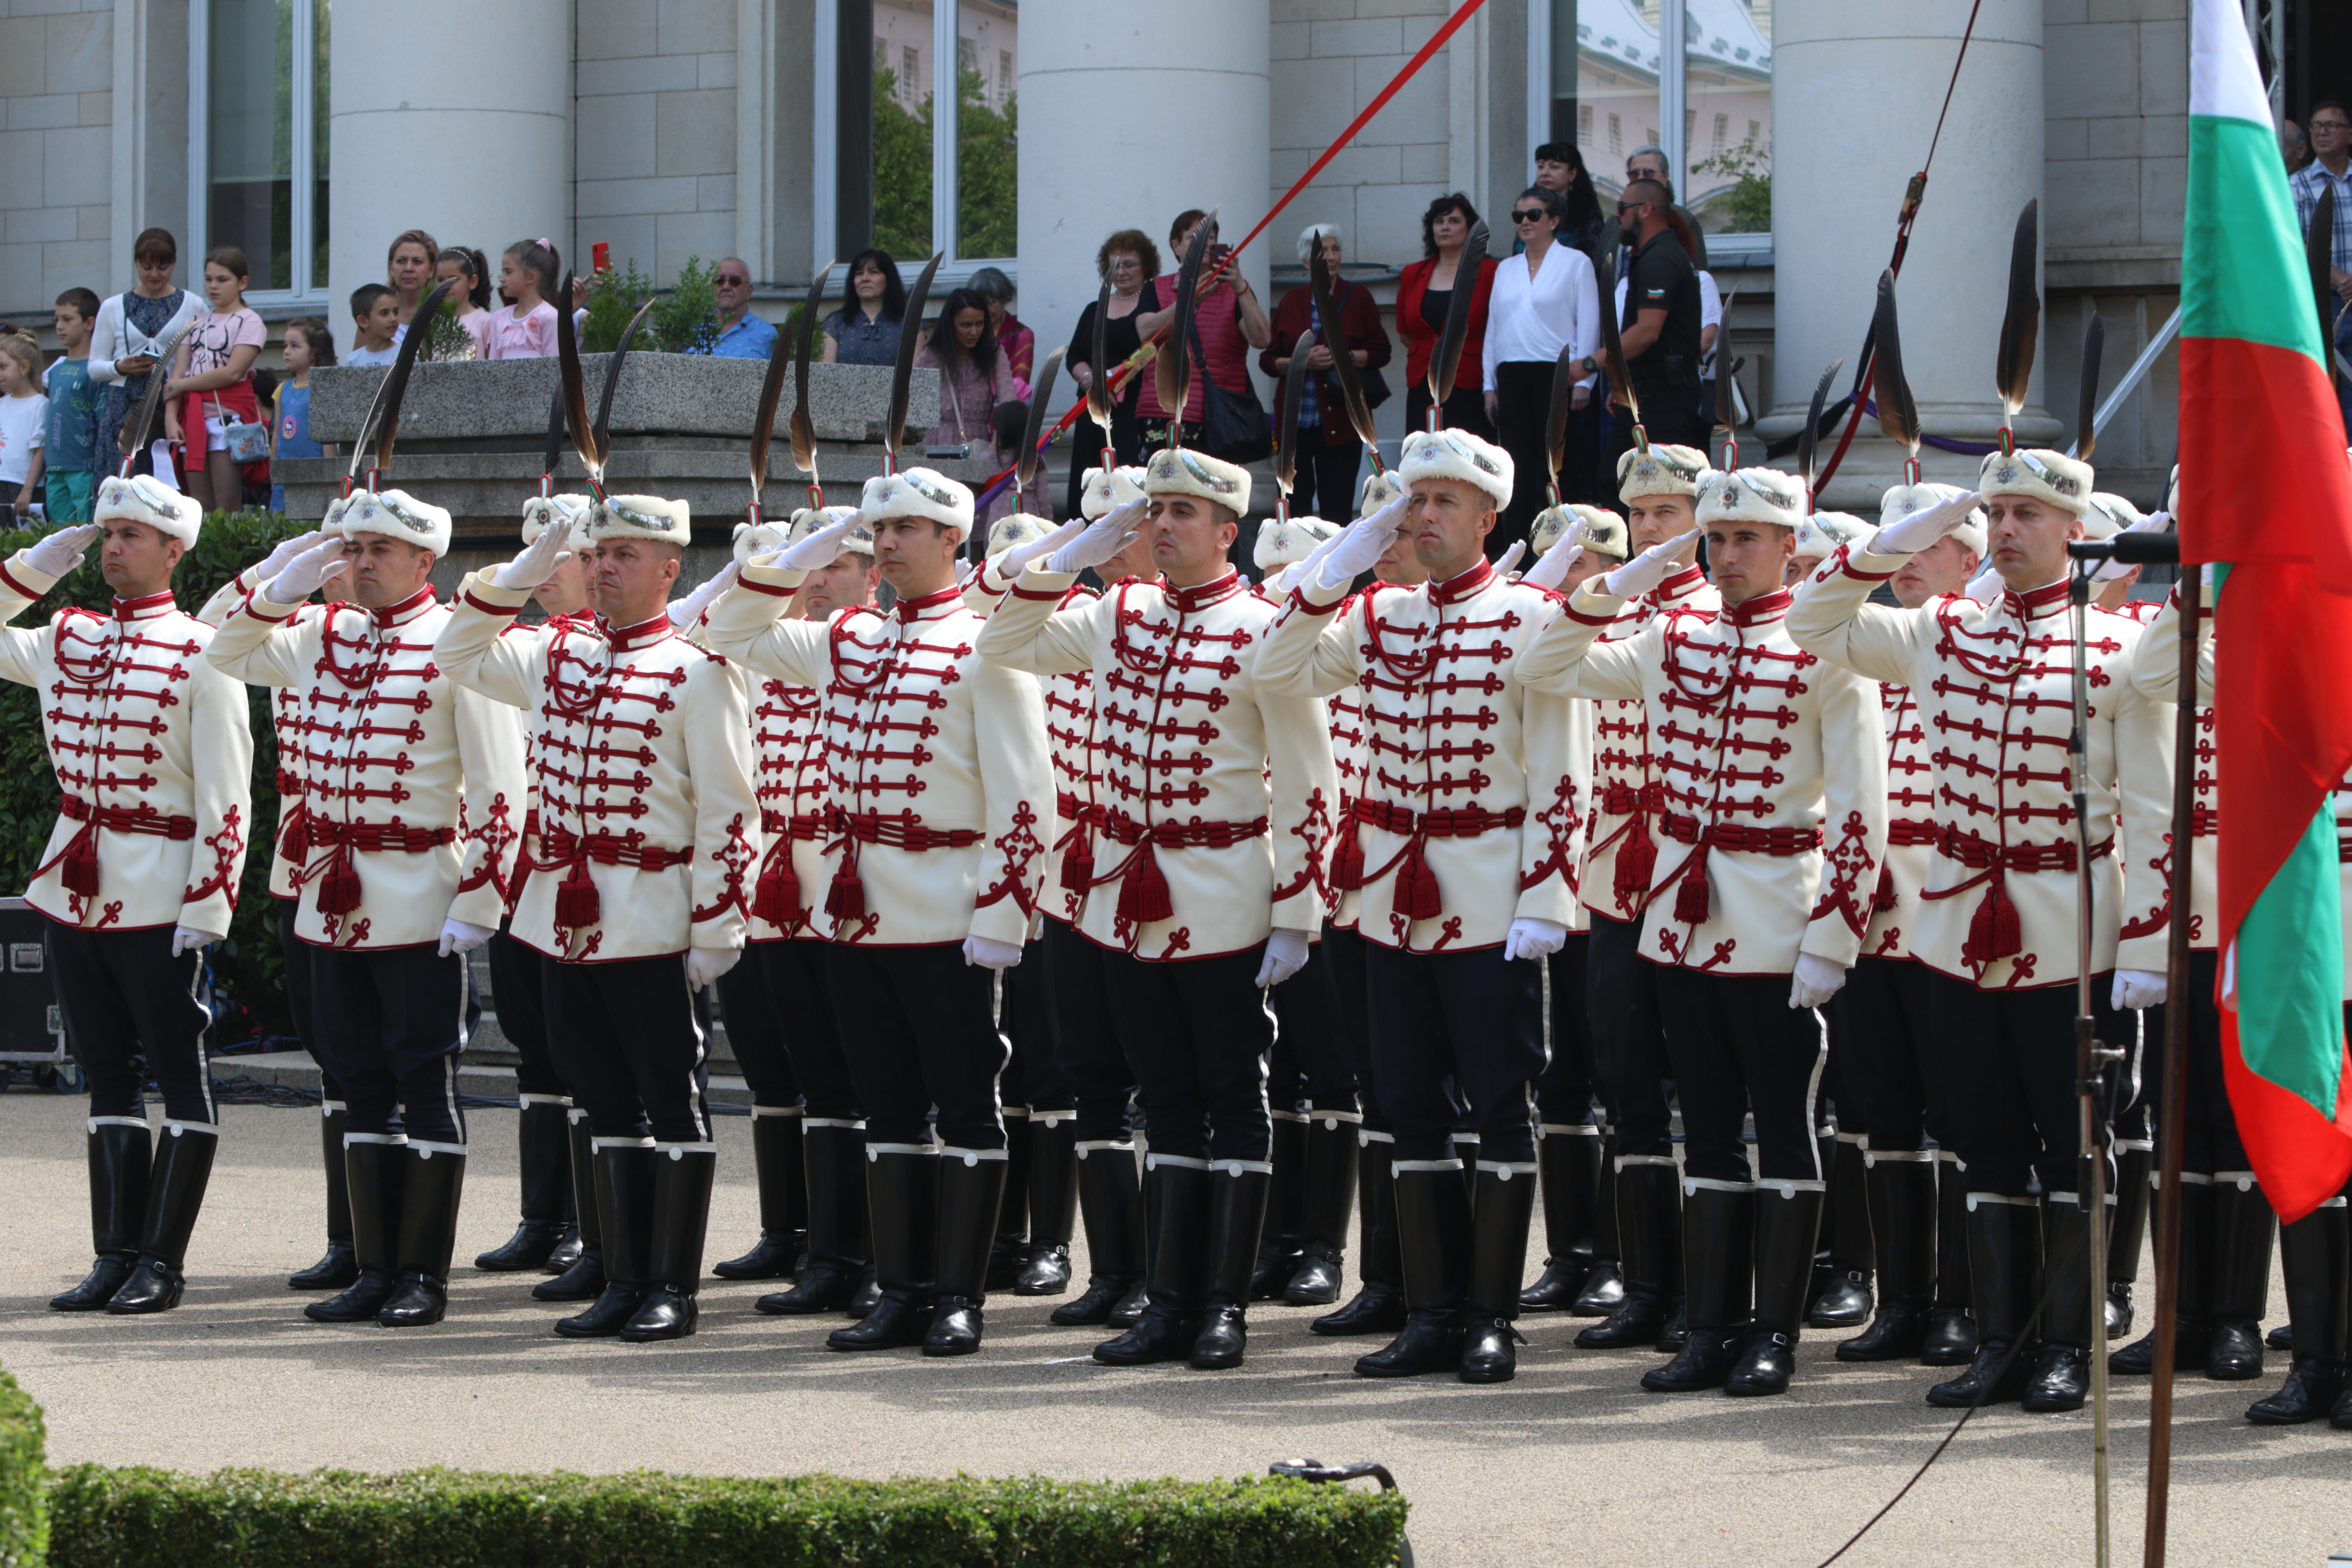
<point>1584,125</point>
<point>258,130</point>
<point>1616,137</point>
<point>1722,132</point>
<point>1004,77</point>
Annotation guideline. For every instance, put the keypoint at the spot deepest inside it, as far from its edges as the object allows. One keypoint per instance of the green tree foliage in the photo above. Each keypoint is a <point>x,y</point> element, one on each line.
<point>902,171</point>
<point>613,296</point>
<point>987,158</point>
<point>987,154</point>
<point>686,320</point>
<point>1747,206</point>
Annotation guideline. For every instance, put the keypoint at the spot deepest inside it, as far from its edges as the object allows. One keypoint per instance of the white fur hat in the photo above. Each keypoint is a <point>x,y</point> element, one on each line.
<point>144,499</point>
<point>1173,471</point>
<point>1109,488</point>
<point>1456,455</point>
<point>1901,500</point>
<point>1822,533</point>
<point>2062,482</point>
<point>1661,471</point>
<point>1604,532</point>
<point>1007,532</point>
<point>1285,542</point>
<point>919,492</point>
<point>396,514</point>
<point>2108,515</point>
<point>657,517</point>
<point>1379,488</point>
<point>1752,495</point>
<point>539,511</point>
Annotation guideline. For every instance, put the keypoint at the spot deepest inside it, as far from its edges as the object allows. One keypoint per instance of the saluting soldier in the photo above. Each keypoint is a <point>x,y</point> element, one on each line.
<point>1997,918</point>
<point>152,750</point>
<point>411,806</point>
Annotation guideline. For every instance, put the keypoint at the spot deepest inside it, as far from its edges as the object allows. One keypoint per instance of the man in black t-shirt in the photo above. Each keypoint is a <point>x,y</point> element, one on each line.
<point>1659,325</point>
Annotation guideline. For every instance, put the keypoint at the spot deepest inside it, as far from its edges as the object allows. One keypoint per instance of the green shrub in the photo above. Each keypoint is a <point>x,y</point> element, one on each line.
<point>249,965</point>
<point>448,1519</point>
<point>613,296</point>
<point>24,1515</point>
<point>686,320</point>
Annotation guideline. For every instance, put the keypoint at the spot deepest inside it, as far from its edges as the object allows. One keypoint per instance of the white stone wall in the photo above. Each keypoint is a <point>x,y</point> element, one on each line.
<point>56,138</point>
<point>655,130</point>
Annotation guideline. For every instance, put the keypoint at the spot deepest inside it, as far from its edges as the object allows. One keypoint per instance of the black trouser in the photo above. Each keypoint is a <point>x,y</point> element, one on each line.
<point>1738,1046</point>
<point>1629,1044</point>
<point>131,1013</point>
<point>1669,414</point>
<point>2011,1057</point>
<point>1197,1032</point>
<point>1087,446</point>
<point>522,1016</point>
<point>2209,1138</point>
<point>1564,1093</point>
<point>297,954</point>
<point>926,1037</point>
<point>1086,1046</point>
<point>1523,402</point>
<point>799,983</point>
<point>1895,1060</point>
<point>1466,410</point>
<point>756,1033</point>
<point>1346,990</point>
<point>1326,487</point>
<point>630,1041</point>
<point>391,1025</point>
<point>1456,1039</point>
<point>1032,1079</point>
<point>1306,1066</point>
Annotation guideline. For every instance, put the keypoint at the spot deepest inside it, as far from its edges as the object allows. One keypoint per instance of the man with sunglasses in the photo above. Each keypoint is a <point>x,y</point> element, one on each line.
<point>2331,165</point>
<point>1659,325</point>
<point>741,333</point>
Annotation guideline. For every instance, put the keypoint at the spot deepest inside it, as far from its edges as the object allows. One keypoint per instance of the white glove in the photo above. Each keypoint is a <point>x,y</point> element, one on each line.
<point>1650,568</point>
<point>55,555</point>
<point>277,559</point>
<point>1910,535</point>
<point>685,612</point>
<point>1534,938</point>
<point>307,572</point>
<point>1009,566</point>
<point>2137,988</point>
<point>1815,982</point>
<point>987,952</point>
<point>1285,955</point>
<point>462,936</point>
<point>1987,587</point>
<point>821,548</point>
<point>1306,569</point>
<point>539,559</point>
<point>2155,522</point>
<point>704,965</point>
<point>1358,548</point>
<point>1510,557</point>
<point>1552,568</point>
<point>1101,539</point>
<point>187,938</point>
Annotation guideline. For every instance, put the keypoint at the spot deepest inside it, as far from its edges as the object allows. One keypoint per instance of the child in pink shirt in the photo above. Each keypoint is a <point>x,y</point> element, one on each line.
<point>528,330</point>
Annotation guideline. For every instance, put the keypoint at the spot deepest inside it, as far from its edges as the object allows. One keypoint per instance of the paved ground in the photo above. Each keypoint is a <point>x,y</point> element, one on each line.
<point>1573,1463</point>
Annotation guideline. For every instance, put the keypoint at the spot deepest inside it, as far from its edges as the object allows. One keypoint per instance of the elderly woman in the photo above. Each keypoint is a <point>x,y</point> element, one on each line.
<point>1127,262</point>
<point>1329,450</point>
<point>1016,343</point>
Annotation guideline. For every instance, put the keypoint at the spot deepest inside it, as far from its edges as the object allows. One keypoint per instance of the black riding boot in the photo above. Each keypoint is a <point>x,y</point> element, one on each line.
<point>2060,1379</point>
<point>1278,1249</point>
<point>1952,1336</point>
<point>2194,1308</point>
<point>2005,1281</point>
<point>2242,1225</point>
<point>971,1190</point>
<point>1176,1197</point>
<point>568,1246</point>
<point>1788,1224</point>
<point>1500,1214</point>
<point>1649,1234</point>
<point>1053,1204</point>
<point>1378,1306</point>
<point>1568,1162</point>
<point>176,1180</point>
<point>1604,1286</point>
<point>338,1268</point>
<point>373,1169</point>
<point>544,1143</point>
<point>2315,1256</point>
<point>2130,1222</point>
<point>1237,1204</point>
<point>680,1214</point>
<point>832,1160</point>
<point>583,1278</point>
<point>1331,1162</point>
<point>1110,1199</point>
<point>780,1165</point>
<point>902,1194</point>
<point>1719,1248</point>
<point>1841,1297</point>
<point>1008,1254</point>
<point>625,1218</point>
<point>120,1153</point>
<point>431,1183</point>
<point>1903,1230</point>
<point>1437,1243</point>
<point>1127,1311</point>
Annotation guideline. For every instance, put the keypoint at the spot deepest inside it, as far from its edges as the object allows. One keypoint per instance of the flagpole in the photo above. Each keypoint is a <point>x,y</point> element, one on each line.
<point>2172,1107</point>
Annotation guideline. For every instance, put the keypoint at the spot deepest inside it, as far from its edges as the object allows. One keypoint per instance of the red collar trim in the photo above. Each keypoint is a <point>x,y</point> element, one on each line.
<point>1764,608</point>
<point>1682,584</point>
<point>1461,584</point>
<point>911,609</point>
<point>1188,601</point>
<point>408,609</point>
<point>145,607</point>
<point>2036,603</point>
<point>643,634</point>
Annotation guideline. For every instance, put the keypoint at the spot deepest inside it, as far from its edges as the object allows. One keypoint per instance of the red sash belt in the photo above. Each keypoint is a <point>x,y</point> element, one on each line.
<point>1414,894</point>
<point>338,879</point>
<point>1994,932</point>
<point>1143,887</point>
<point>1898,833</point>
<point>76,863</point>
<point>776,896</point>
<point>577,901</point>
<point>1692,903</point>
<point>1637,859</point>
<point>845,899</point>
<point>1077,845</point>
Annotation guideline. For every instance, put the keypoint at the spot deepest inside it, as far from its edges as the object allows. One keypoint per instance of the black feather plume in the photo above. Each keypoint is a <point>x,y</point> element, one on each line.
<point>2087,403</point>
<point>902,372</point>
<point>395,385</point>
<point>1032,429</point>
<point>1808,438</point>
<point>1899,415</point>
<point>1324,291</point>
<point>2021,322</point>
<point>1446,364</point>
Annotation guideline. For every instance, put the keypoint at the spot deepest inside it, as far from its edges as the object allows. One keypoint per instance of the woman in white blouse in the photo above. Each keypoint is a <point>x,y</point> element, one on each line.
<point>1543,302</point>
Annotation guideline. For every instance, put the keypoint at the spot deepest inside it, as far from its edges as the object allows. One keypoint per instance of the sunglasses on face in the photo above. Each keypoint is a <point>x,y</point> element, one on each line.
<point>728,278</point>
<point>1624,207</point>
<point>1535,214</point>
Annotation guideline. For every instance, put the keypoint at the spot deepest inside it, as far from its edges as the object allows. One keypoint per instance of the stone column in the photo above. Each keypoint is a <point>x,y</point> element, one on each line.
<point>454,117</point>
<point>1855,87</point>
<point>1129,115</point>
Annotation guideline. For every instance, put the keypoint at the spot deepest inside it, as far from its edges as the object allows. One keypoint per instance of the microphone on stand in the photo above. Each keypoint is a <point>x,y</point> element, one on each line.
<point>2151,549</point>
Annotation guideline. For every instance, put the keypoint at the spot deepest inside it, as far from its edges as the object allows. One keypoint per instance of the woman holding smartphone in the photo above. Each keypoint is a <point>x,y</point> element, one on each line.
<point>134,327</point>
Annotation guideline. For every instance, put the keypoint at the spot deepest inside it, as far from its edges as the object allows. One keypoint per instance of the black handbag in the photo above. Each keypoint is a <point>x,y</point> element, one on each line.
<point>1234,425</point>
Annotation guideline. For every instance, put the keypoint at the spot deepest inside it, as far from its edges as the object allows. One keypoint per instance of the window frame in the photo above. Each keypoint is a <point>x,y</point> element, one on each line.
<point>306,292</point>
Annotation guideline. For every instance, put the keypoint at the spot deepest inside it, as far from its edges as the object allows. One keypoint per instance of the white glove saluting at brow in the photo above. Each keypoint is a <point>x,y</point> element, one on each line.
<point>2154,523</point>
<point>1552,568</point>
<point>277,559</point>
<point>1358,548</point>
<point>1653,566</point>
<point>685,612</point>
<point>1910,535</point>
<point>821,548</point>
<point>1015,561</point>
<point>539,559</point>
<point>306,574</point>
<point>1099,540</point>
<point>58,554</point>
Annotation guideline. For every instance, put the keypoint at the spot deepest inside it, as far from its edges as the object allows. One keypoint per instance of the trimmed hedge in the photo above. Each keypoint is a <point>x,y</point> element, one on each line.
<point>24,1517</point>
<point>450,1519</point>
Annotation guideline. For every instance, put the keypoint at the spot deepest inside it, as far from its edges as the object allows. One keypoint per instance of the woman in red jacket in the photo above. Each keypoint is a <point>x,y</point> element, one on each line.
<point>1424,294</point>
<point>1330,451</point>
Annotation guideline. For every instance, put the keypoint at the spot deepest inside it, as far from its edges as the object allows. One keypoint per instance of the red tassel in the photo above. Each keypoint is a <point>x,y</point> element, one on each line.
<point>1347,858</point>
<point>1414,893</point>
<point>845,899</point>
<point>78,869</point>
<point>1637,862</point>
<point>1691,901</point>
<point>1079,862</point>
<point>338,890</point>
<point>1993,930</point>
<point>578,905</point>
<point>1143,891</point>
<point>1883,900</point>
<point>776,898</point>
<point>291,837</point>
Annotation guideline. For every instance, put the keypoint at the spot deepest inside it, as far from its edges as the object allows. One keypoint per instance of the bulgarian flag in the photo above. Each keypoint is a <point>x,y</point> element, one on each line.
<point>2266,497</point>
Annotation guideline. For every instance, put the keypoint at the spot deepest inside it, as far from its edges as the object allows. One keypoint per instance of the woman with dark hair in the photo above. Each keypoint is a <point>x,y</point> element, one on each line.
<point>1127,262</point>
<point>1559,166</point>
<point>865,330</point>
<point>1544,301</point>
<point>975,381</point>
<point>132,329</point>
<point>1424,296</point>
